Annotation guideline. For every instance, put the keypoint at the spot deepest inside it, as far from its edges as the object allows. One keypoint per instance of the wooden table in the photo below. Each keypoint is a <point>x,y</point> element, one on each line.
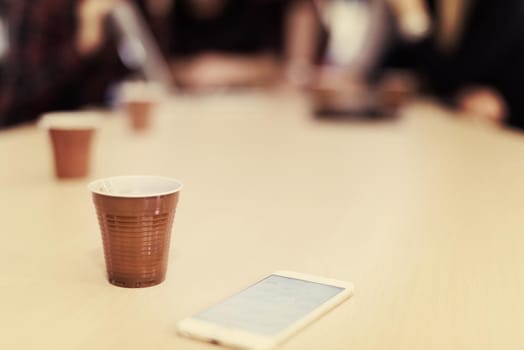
<point>423,213</point>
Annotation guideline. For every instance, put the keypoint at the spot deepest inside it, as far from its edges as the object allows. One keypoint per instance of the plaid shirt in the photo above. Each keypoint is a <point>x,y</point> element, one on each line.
<point>42,70</point>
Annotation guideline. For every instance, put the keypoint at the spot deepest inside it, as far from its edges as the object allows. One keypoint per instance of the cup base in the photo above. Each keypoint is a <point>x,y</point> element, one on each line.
<point>134,283</point>
<point>70,175</point>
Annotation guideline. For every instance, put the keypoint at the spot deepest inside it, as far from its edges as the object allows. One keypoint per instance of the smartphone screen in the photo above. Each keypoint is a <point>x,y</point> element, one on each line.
<point>269,306</point>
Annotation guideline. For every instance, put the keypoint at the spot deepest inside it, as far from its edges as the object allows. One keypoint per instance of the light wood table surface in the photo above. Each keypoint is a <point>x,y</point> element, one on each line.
<point>424,214</point>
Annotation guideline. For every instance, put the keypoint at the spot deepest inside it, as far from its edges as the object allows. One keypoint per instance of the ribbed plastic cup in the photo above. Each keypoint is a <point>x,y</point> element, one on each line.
<point>136,214</point>
<point>71,135</point>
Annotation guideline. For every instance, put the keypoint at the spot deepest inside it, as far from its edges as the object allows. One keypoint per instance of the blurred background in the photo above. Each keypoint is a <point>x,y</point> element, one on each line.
<point>353,57</point>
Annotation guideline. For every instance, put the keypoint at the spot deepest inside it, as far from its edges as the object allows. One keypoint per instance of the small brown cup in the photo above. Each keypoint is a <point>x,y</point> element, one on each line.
<point>135,214</point>
<point>71,135</point>
<point>140,114</point>
<point>139,99</point>
<point>71,150</point>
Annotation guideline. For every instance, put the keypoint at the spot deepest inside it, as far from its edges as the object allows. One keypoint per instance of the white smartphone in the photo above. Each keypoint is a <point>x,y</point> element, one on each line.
<point>267,312</point>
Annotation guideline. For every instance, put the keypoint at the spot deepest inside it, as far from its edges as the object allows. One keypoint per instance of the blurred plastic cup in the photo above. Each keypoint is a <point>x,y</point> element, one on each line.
<point>139,100</point>
<point>136,214</point>
<point>71,135</point>
<point>140,113</point>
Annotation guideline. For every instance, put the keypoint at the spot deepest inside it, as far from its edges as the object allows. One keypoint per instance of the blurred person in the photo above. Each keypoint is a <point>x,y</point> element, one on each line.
<point>469,52</point>
<point>58,57</point>
<point>356,31</point>
<point>217,43</point>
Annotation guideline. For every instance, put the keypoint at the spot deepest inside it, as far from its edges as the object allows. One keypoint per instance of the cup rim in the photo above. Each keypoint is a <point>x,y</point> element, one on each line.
<point>96,186</point>
<point>70,120</point>
<point>141,91</point>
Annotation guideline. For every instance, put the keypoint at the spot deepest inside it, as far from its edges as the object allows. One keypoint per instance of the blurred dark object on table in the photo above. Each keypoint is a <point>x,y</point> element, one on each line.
<point>338,94</point>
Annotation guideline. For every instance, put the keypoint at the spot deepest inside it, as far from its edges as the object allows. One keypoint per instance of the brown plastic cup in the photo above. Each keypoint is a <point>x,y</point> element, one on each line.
<point>140,114</point>
<point>136,214</point>
<point>139,99</point>
<point>71,135</point>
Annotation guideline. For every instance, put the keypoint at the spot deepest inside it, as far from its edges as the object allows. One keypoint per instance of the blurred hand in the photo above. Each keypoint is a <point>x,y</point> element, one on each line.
<point>91,15</point>
<point>396,87</point>
<point>299,74</point>
<point>206,70</point>
<point>412,18</point>
<point>301,36</point>
<point>483,102</point>
<point>213,70</point>
<point>334,78</point>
